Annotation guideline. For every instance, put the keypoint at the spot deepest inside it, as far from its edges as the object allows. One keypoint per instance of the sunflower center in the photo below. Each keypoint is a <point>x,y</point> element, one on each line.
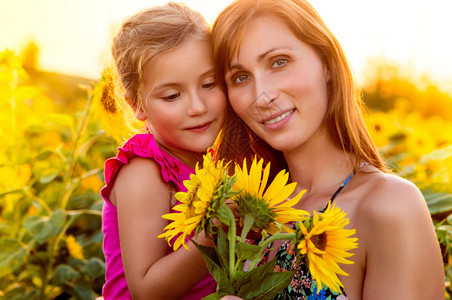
<point>320,241</point>
<point>193,197</point>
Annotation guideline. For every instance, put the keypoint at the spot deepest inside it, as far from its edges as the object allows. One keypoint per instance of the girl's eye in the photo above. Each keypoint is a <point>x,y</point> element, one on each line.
<point>171,97</point>
<point>279,63</point>
<point>240,79</point>
<point>209,85</point>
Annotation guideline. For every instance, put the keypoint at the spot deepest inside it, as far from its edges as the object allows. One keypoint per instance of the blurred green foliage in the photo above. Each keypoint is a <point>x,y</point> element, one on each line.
<point>51,167</point>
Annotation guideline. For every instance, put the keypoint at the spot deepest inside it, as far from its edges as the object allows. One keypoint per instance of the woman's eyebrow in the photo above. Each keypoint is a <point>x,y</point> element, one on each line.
<point>236,66</point>
<point>260,57</point>
<point>263,55</point>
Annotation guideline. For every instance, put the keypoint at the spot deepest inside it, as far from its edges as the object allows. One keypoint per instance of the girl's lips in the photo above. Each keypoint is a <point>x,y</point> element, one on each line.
<point>200,128</point>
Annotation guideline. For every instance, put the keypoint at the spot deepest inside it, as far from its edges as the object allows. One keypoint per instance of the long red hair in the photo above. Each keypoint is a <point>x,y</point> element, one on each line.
<point>344,118</point>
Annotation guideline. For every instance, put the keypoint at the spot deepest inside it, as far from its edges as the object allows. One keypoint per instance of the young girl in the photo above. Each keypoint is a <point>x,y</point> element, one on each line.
<point>287,78</point>
<point>164,62</point>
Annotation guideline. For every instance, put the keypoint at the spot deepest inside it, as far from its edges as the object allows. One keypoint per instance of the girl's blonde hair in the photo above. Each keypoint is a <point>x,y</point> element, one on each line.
<point>343,120</point>
<point>148,34</point>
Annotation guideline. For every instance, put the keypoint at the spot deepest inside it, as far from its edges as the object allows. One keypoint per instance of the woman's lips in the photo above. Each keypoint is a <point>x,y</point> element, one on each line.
<point>278,121</point>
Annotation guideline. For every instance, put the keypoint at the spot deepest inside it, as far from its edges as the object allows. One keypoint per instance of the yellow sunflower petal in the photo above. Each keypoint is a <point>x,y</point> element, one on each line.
<point>264,179</point>
<point>255,177</point>
<point>276,185</point>
<point>195,203</point>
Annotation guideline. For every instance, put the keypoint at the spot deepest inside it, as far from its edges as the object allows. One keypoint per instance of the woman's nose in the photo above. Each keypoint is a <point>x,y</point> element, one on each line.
<point>266,92</point>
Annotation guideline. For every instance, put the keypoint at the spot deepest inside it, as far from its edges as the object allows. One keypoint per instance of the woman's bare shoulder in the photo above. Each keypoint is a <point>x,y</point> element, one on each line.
<point>386,197</point>
<point>392,221</point>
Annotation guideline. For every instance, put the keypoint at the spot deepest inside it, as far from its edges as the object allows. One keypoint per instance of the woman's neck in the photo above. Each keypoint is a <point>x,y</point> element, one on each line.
<point>319,166</point>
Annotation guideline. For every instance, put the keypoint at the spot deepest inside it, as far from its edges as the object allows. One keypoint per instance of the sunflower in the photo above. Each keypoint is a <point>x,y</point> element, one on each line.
<point>326,242</point>
<point>268,206</point>
<point>110,108</point>
<point>198,204</point>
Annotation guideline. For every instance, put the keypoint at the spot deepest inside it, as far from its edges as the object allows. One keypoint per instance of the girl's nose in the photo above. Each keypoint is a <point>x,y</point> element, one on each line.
<point>197,105</point>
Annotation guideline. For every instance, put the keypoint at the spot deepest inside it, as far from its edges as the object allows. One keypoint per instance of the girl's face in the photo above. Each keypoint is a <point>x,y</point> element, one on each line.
<point>278,85</point>
<point>183,104</point>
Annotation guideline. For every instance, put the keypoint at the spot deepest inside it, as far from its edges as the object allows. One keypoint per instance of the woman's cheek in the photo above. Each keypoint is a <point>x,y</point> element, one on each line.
<point>237,98</point>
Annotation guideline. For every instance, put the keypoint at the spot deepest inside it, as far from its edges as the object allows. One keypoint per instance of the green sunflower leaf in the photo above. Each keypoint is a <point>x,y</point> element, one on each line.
<point>224,284</point>
<point>63,274</point>
<point>214,296</point>
<point>223,248</point>
<point>12,255</point>
<point>208,253</point>
<point>225,215</point>
<point>267,288</point>
<point>42,228</point>
<point>255,275</point>
<point>245,250</point>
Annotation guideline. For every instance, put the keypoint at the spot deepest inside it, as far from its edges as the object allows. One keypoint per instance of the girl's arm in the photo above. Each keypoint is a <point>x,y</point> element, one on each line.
<point>142,197</point>
<point>402,251</point>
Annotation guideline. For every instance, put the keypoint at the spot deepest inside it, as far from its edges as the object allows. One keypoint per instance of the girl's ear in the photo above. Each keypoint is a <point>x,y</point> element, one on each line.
<point>139,114</point>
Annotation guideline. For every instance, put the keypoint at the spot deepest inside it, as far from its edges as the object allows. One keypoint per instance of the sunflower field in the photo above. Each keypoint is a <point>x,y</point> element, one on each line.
<point>54,148</point>
<point>51,167</point>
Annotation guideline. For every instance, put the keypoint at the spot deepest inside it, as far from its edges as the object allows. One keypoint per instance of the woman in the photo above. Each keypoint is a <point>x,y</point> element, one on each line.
<point>288,79</point>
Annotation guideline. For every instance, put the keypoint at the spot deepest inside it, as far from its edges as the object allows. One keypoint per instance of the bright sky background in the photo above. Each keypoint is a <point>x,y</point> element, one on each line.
<point>74,35</point>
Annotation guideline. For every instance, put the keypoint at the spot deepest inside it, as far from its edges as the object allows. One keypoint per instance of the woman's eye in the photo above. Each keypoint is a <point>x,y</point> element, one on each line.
<point>239,79</point>
<point>171,97</point>
<point>279,63</point>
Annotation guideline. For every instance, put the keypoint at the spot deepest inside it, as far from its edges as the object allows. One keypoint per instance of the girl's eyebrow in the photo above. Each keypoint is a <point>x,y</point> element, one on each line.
<point>171,84</point>
<point>208,72</point>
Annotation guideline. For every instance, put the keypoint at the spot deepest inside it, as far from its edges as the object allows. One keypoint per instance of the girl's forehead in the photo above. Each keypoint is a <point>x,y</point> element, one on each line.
<point>183,64</point>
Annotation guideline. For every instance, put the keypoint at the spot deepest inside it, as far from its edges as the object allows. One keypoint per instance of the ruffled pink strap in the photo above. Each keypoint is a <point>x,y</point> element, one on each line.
<point>144,145</point>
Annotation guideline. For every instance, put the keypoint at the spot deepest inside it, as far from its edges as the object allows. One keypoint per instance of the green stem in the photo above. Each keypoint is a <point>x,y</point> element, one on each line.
<point>72,159</point>
<point>53,247</point>
<point>38,200</point>
<point>232,239</point>
<point>278,236</point>
<point>248,223</point>
<point>266,242</point>
<point>76,213</point>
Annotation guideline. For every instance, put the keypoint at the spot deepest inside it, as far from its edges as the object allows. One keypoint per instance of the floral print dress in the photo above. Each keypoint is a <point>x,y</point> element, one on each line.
<point>302,286</point>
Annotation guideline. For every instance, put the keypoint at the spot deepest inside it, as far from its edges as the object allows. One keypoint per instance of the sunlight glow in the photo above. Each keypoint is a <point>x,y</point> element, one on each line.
<point>74,36</point>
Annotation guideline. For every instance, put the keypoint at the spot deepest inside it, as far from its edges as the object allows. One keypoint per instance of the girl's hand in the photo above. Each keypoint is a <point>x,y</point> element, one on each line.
<point>230,298</point>
<point>203,240</point>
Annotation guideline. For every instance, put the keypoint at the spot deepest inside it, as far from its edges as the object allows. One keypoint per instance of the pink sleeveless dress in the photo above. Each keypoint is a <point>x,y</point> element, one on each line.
<point>141,145</point>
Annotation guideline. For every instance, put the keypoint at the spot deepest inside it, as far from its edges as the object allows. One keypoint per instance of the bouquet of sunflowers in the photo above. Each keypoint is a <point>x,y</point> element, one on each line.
<point>216,202</point>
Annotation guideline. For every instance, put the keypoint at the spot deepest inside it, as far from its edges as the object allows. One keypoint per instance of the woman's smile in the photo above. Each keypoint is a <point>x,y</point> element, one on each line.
<point>279,121</point>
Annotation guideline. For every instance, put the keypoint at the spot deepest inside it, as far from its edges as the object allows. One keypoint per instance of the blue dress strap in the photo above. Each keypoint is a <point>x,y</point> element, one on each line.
<point>341,187</point>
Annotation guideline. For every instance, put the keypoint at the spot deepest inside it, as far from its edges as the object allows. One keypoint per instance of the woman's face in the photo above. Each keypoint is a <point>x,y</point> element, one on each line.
<point>278,85</point>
